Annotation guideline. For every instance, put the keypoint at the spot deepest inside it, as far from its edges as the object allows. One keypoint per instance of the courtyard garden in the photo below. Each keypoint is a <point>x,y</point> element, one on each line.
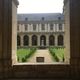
<point>24,53</point>
<point>57,53</point>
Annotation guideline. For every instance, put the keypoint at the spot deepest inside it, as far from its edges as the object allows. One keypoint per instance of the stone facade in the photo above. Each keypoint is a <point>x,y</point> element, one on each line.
<point>37,28</point>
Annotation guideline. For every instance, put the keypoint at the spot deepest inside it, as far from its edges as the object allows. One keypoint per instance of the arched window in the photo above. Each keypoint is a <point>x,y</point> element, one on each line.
<point>18,40</point>
<point>51,40</point>
<point>34,40</point>
<point>26,40</point>
<point>60,40</point>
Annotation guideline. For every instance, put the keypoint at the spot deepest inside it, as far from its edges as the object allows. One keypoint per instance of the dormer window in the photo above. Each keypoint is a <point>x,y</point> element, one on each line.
<point>59,18</point>
<point>26,19</point>
<point>43,18</point>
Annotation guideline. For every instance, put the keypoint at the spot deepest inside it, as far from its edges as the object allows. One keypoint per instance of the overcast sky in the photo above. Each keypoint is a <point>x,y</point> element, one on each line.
<point>40,6</point>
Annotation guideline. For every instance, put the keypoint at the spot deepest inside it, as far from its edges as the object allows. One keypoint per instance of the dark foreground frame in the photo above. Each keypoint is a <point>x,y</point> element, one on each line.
<point>9,71</point>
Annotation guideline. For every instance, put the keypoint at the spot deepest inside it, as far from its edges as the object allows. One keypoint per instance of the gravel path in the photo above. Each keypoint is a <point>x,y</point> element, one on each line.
<point>41,53</point>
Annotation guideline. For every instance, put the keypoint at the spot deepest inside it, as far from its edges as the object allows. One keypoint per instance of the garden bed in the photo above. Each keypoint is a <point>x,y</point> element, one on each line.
<point>24,53</point>
<point>57,53</point>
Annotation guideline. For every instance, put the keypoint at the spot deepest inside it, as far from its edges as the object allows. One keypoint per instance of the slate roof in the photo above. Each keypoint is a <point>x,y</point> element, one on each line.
<point>39,16</point>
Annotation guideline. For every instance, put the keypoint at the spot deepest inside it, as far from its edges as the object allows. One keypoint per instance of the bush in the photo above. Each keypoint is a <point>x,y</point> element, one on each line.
<point>57,53</point>
<point>23,59</point>
<point>24,53</point>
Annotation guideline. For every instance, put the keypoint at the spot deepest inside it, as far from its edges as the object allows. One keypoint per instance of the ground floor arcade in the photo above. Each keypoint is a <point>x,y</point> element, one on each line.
<point>24,39</point>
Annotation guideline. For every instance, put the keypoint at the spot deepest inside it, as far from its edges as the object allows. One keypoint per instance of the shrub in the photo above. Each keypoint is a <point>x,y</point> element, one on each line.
<point>57,53</point>
<point>23,59</point>
<point>24,53</point>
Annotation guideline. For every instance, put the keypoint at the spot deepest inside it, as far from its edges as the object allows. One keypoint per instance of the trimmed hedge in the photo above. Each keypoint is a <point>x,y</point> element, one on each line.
<point>57,53</point>
<point>24,53</point>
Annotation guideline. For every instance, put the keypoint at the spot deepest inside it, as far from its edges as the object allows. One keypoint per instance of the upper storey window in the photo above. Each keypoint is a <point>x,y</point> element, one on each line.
<point>51,26</point>
<point>43,26</point>
<point>34,26</point>
<point>60,26</point>
<point>26,27</point>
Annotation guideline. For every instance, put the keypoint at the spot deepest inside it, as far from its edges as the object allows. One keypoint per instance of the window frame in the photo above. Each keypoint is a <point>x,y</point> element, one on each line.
<point>46,71</point>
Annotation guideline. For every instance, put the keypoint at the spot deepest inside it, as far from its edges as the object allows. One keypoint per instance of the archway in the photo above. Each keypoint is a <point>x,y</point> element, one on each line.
<point>51,40</point>
<point>18,40</point>
<point>34,40</point>
<point>26,40</point>
<point>42,40</point>
<point>60,40</point>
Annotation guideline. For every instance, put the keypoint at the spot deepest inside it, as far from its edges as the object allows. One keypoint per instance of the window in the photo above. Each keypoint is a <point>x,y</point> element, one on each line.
<point>47,71</point>
<point>43,18</point>
<point>34,40</point>
<point>60,40</point>
<point>26,19</point>
<point>34,27</point>
<point>26,27</point>
<point>51,26</point>
<point>59,18</point>
<point>43,26</point>
<point>26,40</point>
<point>51,40</point>
<point>60,26</point>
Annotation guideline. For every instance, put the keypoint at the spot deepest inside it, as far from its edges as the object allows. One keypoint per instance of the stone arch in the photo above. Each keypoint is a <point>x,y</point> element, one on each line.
<point>51,40</point>
<point>43,40</point>
<point>18,40</point>
<point>34,40</point>
<point>26,40</point>
<point>60,40</point>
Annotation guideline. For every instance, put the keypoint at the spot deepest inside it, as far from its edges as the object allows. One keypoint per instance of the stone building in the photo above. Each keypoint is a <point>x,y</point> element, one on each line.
<point>40,30</point>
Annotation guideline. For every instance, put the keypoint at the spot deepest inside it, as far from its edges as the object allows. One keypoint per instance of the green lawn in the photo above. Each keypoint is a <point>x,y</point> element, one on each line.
<point>24,53</point>
<point>57,53</point>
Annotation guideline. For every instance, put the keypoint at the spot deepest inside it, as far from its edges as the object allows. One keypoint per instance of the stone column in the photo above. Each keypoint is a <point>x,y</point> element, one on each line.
<point>38,41</point>
<point>47,40</point>
<point>21,40</point>
<point>56,40</point>
<point>30,40</point>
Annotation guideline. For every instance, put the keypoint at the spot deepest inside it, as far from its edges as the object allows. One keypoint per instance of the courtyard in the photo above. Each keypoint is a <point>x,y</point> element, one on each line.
<point>35,55</point>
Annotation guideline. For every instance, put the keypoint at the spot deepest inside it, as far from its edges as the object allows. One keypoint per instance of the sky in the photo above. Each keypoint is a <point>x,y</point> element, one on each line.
<point>40,6</point>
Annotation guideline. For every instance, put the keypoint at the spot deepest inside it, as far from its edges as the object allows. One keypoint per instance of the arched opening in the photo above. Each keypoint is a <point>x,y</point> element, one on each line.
<point>18,40</point>
<point>60,40</point>
<point>26,40</point>
<point>34,40</point>
<point>51,40</point>
<point>42,40</point>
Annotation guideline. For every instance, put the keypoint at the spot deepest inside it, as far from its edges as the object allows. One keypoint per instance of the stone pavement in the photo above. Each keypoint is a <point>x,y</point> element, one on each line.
<point>41,53</point>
